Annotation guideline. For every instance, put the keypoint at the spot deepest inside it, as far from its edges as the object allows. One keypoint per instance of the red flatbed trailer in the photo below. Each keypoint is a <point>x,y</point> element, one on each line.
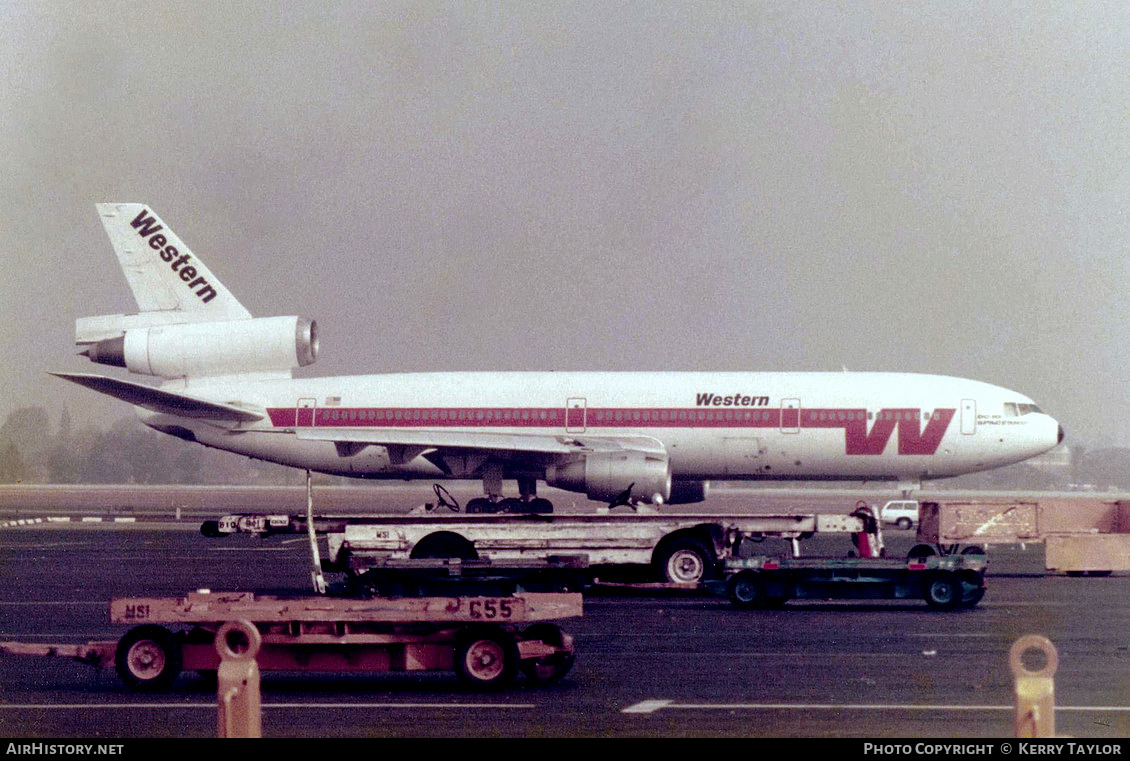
<point>480,638</point>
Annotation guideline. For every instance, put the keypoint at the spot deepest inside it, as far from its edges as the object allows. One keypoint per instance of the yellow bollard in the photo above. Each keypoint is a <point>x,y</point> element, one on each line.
<point>240,709</point>
<point>1035,690</point>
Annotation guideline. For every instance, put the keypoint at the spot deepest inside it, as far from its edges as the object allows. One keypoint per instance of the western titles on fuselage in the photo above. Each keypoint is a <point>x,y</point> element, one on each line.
<point>733,400</point>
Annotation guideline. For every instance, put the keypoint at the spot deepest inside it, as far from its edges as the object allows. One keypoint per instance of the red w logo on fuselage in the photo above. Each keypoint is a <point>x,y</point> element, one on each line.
<point>912,439</point>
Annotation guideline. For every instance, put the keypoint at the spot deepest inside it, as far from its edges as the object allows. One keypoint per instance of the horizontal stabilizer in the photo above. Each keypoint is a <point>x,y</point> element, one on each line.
<point>158,400</point>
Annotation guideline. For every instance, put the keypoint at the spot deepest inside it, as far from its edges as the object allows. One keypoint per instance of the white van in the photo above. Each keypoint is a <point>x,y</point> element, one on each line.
<point>901,512</point>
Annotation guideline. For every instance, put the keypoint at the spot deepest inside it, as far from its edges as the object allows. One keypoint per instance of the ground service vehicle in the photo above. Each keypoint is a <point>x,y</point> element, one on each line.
<point>944,582</point>
<point>680,549</point>
<point>900,512</point>
<point>481,638</point>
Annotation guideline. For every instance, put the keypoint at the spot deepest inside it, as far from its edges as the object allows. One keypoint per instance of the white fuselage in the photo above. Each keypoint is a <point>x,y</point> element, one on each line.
<point>732,426</point>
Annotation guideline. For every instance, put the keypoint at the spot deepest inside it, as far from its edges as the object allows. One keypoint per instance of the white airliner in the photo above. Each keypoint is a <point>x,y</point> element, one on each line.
<point>656,437</point>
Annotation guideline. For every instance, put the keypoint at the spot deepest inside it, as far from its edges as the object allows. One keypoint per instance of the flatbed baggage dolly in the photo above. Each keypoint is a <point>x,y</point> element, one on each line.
<point>946,582</point>
<point>481,638</point>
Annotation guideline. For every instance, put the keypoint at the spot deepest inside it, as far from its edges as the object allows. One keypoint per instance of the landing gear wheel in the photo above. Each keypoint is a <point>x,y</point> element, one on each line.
<point>686,561</point>
<point>148,658</point>
<point>943,591</point>
<point>744,590</point>
<point>486,657</point>
<point>538,505</point>
<point>511,505</point>
<point>551,667</point>
<point>481,505</point>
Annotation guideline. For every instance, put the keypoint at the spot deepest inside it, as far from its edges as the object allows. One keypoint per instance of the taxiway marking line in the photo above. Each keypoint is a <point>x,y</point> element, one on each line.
<point>647,706</point>
<point>212,706</point>
<point>15,603</point>
<point>651,706</point>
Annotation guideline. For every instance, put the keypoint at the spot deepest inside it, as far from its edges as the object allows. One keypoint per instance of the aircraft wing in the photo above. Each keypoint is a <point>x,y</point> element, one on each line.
<point>158,400</point>
<point>562,444</point>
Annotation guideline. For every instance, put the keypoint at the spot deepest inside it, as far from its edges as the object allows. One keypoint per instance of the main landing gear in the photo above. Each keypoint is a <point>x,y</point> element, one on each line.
<point>494,502</point>
<point>509,505</point>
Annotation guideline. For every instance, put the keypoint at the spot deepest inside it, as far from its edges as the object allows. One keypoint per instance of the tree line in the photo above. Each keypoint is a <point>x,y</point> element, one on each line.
<point>35,449</point>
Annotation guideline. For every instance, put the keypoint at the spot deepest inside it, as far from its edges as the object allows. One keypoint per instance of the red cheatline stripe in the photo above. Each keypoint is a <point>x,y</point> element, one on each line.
<point>865,433</point>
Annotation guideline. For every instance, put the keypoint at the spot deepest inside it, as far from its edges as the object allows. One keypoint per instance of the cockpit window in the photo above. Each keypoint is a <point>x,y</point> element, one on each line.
<point>1019,408</point>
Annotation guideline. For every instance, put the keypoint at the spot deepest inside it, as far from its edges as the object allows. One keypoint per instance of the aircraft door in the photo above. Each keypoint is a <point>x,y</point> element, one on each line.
<point>790,416</point>
<point>968,416</point>
<point>575,414</point>
<point>304,413</point>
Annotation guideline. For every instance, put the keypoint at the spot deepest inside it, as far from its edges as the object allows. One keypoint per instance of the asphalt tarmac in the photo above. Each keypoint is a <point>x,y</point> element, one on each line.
<point>649,663</point>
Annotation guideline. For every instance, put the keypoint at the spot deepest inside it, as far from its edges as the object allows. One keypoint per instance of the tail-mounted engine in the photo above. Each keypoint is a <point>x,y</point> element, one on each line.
<point>264,344</point>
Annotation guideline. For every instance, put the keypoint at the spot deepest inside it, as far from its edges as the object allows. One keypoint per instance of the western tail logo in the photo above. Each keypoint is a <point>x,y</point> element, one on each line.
<point>148,228</point>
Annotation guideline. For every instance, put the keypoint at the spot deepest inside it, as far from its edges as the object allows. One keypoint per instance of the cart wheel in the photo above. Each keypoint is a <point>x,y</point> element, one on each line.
<point>148,658</point>
<point>686,561</point>
<point>744,590</point>
<point>920,552</point>
<point>444,544</point>
<point>486,657</point>
<point>551,667</point>
<point>943,590</point>
<point>972,588</point>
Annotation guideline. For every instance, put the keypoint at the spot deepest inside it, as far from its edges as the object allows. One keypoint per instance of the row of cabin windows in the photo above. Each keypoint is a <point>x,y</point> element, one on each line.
<point>430,414</point>
<point>615,416</point>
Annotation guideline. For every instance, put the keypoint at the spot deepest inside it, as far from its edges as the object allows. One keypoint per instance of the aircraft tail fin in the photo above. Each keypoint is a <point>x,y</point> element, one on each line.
<point>162,271</point>
<point>170,284</point>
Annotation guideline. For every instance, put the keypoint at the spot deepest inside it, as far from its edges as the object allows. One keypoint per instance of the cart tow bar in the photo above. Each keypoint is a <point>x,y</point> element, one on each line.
<point>316,572</point>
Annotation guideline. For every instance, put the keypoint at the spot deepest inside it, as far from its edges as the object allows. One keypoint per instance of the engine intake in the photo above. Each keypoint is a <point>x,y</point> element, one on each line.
<point>264,344</point>
<point>605,475</point>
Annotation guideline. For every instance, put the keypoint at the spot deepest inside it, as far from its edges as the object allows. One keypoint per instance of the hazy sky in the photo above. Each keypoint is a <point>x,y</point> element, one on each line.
<point>934,187</point>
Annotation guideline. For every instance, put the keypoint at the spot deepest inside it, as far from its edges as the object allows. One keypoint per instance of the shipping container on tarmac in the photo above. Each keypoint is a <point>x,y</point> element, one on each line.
<point>1081,536</point>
